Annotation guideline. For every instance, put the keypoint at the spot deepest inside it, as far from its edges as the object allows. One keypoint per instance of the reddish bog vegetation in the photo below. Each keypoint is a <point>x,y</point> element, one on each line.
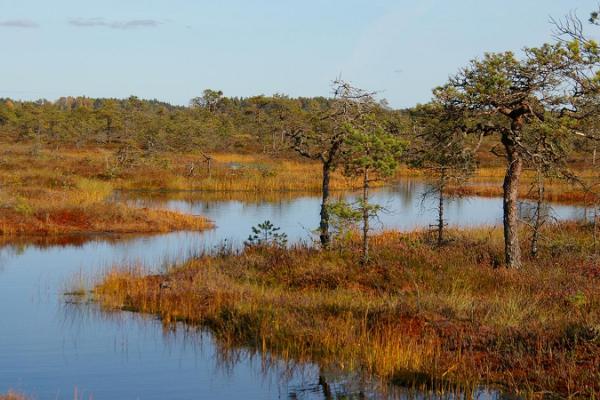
<point>101,218</point>
<point>12,396</point>
<point>415,314</point>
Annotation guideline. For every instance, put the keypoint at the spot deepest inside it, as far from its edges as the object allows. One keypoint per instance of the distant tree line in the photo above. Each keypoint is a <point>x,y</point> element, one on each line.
<point>211,122</point>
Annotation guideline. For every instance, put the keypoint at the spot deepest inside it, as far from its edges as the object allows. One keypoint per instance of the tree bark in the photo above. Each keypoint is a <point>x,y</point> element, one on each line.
<point>324,223</point>
<point>365,199</point>
<point>442,184</point>
<point>595,227</point>
<point>512,251</point>
<point>108,130</point>
<point>539,217</point>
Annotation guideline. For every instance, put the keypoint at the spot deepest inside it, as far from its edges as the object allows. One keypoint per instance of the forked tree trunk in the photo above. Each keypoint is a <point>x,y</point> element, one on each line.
<point>365,230</point>
<point>512,251</point>
<point>324,223</point>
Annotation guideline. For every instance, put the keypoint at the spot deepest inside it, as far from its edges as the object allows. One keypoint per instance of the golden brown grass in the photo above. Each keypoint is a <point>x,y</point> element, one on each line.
<point>50,191</point>
<point>487,182</point>
<point>416,311</point>
<point>46,193</point>
<point>554,192</point>
<point>66,191</point>
<point>102,218</point>
<point>12,396</point>
<point>231,172</point>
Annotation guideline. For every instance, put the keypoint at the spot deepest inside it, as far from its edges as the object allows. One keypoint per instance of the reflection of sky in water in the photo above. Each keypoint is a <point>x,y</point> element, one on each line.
<point>47,349</point>
<point>404,209</point>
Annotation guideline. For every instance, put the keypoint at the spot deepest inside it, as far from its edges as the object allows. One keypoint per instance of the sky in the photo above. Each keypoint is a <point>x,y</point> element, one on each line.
<point>172,50</point>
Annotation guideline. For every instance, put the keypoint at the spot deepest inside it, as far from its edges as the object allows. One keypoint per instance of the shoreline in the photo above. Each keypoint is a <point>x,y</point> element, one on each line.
<point>102,219</point>
<point>446,314</point>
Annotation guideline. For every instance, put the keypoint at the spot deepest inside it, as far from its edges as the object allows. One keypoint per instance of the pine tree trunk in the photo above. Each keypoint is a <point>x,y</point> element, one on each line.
<point>595,227</point>
<point>108,130</point>
<point>512,251</point>
<point>324,223</point>
<point>440,238</point>
<point>365,231</point>
<point>539,218</point>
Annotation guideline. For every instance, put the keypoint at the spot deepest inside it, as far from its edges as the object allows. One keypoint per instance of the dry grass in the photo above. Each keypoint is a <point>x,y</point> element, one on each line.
<point>47,193</point>
<point>416,311</point>
<point>50,191</point>
<point>12,396</point>
<point>66,191</point>
<point>231,172</point>
<point>554,192</point>
<point>102,218</point>
<point>487,182</point>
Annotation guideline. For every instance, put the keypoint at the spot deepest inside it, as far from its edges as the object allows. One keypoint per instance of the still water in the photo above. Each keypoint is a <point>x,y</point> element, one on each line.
<point>51,348</point>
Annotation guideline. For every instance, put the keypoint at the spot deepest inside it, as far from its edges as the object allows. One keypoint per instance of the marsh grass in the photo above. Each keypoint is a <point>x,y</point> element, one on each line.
<point>12,396</point>
<point>90,191</point>
<point>62,219</point>
<point>54,194</point>
<point>487,182</point>
<point>416,313</point>
<point>233,172</point>
<point>556,192</point>
<point>17,396</point>
<point>69,192</point>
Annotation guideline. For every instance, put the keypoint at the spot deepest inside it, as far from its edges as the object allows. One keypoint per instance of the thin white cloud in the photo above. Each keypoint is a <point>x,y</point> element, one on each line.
<point>19,23</point>
<point>103,23</point>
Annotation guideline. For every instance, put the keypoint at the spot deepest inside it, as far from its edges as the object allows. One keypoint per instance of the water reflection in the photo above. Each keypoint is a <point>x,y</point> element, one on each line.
<point>48,346</point>
<point>286,378</point>
<point>297,215</point>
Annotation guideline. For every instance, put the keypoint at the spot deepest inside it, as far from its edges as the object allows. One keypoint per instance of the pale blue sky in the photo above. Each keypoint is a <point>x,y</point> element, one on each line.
<point>173,49</point>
